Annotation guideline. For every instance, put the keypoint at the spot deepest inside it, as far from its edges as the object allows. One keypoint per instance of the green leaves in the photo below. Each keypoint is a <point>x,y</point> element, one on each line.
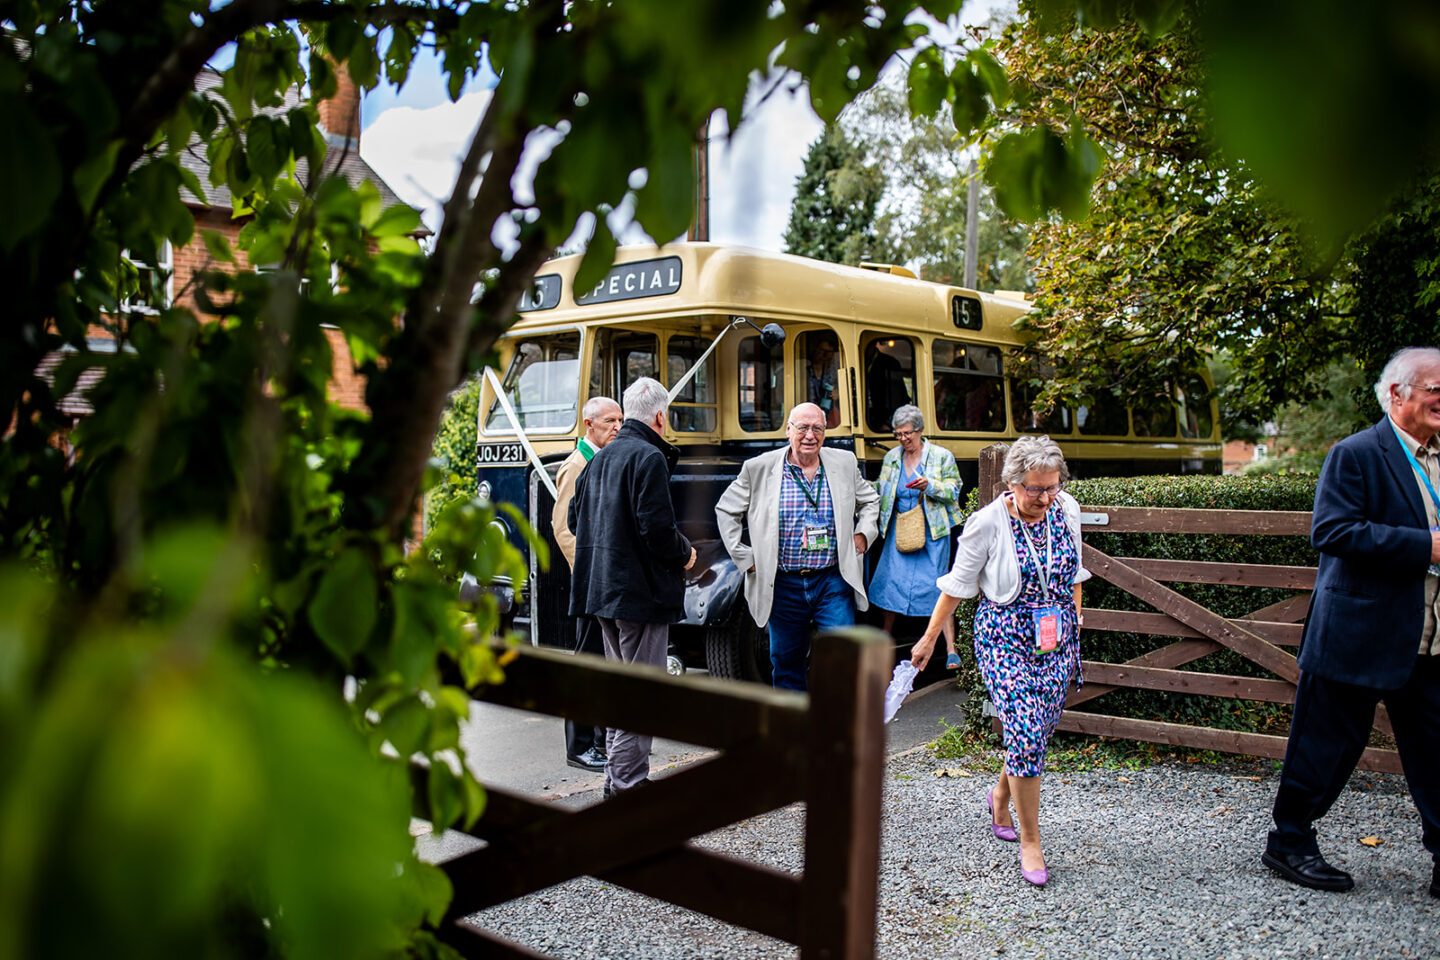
<point>1038,170</point>
<point>1343,90</point>
<point>29,163</point>
<point>665,206</point>
<point>927,83</point>
<point>343,610</point>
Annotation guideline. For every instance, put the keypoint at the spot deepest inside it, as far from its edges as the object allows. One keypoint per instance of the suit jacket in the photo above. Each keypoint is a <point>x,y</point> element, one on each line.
<point>754,497</point>
<point>629,555</point>
<point>565,479</point>
<point>1369,525</point>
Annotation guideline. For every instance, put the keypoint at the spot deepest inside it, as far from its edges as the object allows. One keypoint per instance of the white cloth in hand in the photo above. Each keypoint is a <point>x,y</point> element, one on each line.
<point>900,685</point>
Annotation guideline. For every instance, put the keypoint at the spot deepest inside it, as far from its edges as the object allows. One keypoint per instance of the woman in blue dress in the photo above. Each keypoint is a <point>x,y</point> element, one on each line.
<point>1021,554</point>
<point>916,473</point>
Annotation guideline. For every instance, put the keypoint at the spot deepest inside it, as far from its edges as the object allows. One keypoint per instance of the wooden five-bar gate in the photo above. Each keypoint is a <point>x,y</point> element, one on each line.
<point>1263,637</point>
<point>825,749</point>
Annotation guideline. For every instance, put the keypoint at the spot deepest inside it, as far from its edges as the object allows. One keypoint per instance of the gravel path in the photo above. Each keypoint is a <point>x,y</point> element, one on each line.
<point>1161,862</point>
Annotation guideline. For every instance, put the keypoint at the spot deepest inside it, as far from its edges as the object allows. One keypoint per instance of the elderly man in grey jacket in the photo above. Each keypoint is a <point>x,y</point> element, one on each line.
<point>811,516</point>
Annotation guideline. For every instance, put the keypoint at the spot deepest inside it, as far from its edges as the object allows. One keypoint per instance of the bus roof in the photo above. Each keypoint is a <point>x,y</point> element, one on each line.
<point>685,279</point>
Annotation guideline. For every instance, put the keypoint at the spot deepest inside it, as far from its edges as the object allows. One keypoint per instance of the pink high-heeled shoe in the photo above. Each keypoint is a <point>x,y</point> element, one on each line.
<point>1007,834</point>
<point>1036,878</point>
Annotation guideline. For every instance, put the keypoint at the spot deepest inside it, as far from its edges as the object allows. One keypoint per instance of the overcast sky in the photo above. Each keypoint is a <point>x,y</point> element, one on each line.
<point>415,137</point>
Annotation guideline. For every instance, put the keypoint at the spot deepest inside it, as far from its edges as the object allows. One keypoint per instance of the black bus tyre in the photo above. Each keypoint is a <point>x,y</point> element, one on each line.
<point>738,651</point>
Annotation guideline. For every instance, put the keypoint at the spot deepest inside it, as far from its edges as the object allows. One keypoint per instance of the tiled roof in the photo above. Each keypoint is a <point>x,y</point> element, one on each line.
<point>76,403</point>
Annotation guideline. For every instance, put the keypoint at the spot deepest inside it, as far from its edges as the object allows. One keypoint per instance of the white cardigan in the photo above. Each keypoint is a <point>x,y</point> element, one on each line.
<point>985,558</point>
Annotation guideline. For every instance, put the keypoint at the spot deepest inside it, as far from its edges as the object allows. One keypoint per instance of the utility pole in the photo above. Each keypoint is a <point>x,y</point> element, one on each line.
<point>972,227</point>
<point>700,224</point>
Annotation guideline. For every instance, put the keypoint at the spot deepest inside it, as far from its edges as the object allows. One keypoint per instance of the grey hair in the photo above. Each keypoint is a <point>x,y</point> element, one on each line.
<point>595,406</point>
<point>1037,454</point>
<point>1400,372</point>
<point>908,416</point>
<point>645,399</point>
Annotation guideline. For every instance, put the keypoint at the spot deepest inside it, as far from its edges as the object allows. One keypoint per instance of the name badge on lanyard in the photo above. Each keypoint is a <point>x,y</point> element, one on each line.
<point>1046,619</point>
<point>1434,568</point>
<point>814,537</point>
<point>1047,628</point>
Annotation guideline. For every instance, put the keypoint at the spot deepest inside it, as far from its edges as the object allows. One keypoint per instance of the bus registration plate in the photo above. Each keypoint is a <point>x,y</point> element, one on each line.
<point>499,453</point>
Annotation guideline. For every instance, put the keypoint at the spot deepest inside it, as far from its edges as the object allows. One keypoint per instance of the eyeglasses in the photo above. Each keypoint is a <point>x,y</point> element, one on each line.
<point>1049,491</point>
<point>1431,389</point>
<point>906,434</point>
<point>819,431</point>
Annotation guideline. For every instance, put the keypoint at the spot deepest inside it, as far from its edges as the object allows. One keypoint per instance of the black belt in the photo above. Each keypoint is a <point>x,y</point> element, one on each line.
<point>810,573</point>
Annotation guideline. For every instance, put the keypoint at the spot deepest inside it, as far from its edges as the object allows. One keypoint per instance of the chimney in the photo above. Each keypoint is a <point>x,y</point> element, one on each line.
<point>340,114</point>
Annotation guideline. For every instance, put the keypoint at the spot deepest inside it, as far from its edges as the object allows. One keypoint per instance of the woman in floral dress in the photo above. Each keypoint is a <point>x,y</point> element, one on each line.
<point>1021,554</point>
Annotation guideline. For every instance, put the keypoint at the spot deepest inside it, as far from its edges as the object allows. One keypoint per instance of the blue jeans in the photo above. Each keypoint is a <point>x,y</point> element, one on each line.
<point>805,603</point>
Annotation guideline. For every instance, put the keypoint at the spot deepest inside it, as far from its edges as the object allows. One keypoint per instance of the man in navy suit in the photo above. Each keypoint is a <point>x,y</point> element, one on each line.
<point>1371,634</point>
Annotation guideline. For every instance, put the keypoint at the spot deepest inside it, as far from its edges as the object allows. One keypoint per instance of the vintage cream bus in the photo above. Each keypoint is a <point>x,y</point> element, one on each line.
<point>859,341</point>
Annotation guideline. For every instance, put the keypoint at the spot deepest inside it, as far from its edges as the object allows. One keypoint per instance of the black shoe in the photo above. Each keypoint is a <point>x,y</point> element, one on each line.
<point>589,760</point>
<point>1308,870</point>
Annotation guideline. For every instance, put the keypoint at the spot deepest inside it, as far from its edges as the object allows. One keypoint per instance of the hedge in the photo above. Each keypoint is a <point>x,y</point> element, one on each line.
<point>454,450</point>
<point>1266,492</point>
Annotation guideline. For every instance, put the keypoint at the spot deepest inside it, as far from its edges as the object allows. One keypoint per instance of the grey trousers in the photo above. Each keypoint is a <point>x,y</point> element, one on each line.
<point>627,760</point>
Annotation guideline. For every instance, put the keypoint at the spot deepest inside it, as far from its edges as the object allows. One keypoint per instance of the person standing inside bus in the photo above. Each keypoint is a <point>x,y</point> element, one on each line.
<point>584,746</point>
<point>919,489</point>
<point>811,516</point>
<point>824,370</point>
<point>1022,553</point>
<point>630,557</point>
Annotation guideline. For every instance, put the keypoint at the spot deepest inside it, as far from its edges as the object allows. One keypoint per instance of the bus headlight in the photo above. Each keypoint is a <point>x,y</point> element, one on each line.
<point>483,491</point>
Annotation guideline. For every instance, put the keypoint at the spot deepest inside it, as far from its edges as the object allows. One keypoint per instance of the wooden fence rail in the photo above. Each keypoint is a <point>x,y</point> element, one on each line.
<point>1260,636</point>
<point>825,749</point>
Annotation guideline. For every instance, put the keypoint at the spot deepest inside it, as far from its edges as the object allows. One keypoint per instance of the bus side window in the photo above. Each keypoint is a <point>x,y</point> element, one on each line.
<point>635,357</point>
<point>1028,419</point>
<point>969,386</point>
<point>693,410</point>
<point>1154,417</point>
<point>819,352</point>
<point>761,385</point>
<point>1105,417</point>
<point>889,380</point>
<point>1196,421</point>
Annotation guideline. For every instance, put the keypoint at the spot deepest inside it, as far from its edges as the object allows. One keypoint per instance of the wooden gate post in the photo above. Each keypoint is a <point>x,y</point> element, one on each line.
<point>849,670</point>
<point>992,459</point>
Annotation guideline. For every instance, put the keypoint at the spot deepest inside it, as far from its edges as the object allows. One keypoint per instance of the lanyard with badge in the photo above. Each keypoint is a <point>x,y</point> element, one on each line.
<point>814,537</point>
<point>1430,487</point>
<point>1046,618</point>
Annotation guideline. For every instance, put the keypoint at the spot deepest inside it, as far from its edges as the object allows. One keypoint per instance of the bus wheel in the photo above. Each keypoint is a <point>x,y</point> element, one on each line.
<point>738,651</point>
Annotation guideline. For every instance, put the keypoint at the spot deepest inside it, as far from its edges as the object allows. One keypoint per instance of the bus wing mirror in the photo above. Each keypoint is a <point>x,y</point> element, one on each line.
<point>772,336</point>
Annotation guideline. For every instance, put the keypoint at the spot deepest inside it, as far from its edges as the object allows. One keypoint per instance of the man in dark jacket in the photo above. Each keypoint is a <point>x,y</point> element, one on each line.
<point>1371,634</point>
<point>630,557</point>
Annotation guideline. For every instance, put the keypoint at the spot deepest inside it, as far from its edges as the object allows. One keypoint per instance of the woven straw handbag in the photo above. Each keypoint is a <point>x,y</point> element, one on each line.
<point>910,530</point>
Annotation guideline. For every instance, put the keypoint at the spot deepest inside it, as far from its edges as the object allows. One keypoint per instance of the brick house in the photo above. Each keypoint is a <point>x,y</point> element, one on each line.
<point>175,274</point>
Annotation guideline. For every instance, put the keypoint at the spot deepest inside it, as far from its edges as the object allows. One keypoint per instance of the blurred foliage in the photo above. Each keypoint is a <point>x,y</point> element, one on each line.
<point>832,217</point>
<point>1331,108</point>
<point>454,450</point>
<point>1201,492</point>
<point>923,211</point>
